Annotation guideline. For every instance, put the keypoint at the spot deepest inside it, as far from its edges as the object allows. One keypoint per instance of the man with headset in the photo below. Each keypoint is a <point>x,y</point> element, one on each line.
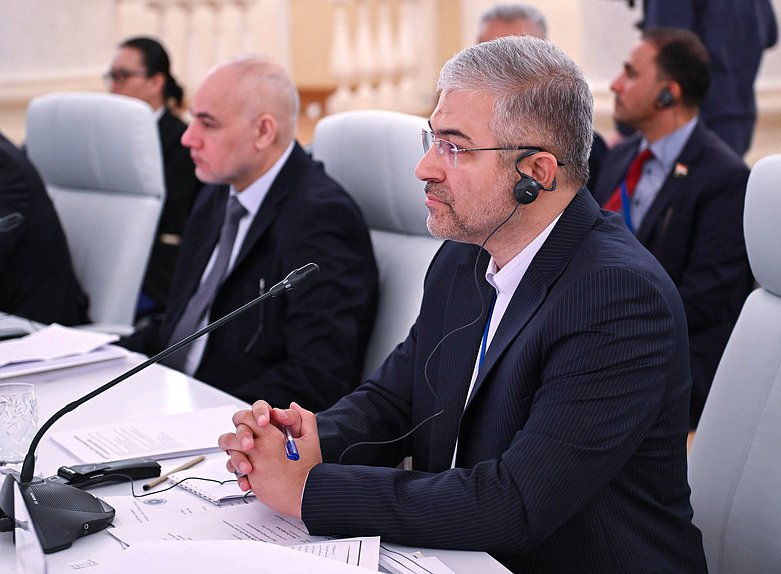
<point>542,393</point>
<point>681,191</point>
<point>736,34</point>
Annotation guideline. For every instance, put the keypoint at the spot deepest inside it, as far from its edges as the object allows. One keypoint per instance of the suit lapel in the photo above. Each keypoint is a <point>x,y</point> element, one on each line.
<point>547,266</point>
<point>201,242</point>
<point>454,361</point>
<point>207,235</point>
<point>614,171</point>
<point>279,192</point>
<point>661,209</point>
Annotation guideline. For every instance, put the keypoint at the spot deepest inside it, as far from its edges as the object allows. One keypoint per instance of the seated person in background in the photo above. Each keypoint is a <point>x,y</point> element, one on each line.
<point>681,191</point>
<point>141,69</point>
<point>736,34</point>
<point>284,212</point>
<point>36,276</point>
<point>511,20</point>
<point>526,20</point>
<point>545,407</point>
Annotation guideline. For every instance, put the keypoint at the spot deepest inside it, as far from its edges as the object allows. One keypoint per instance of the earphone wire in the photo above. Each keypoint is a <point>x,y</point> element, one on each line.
<point>133,492</point>
<point>436,347</point>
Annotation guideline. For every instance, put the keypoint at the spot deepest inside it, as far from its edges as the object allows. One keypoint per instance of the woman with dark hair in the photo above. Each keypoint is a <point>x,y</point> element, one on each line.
<point>141,69</point>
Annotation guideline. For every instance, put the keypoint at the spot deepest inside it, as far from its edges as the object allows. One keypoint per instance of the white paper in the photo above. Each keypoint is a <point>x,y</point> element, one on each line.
<point>363,552</point>
<point>213,468</point>
<point>247,522</point>
<point>394,560</point>
<point>240,522</point>
<point>52,342</point>
<point>155,557</point>
<point>171,436</point>
<point>130,510</point>
<point>106,353</point>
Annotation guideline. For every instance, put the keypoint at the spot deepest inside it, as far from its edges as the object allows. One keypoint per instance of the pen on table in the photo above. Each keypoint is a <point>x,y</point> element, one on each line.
<point>165,475</point>
<point>290,445</point>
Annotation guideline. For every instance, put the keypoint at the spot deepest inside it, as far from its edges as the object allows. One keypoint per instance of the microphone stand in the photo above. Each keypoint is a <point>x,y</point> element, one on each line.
<point>65,495</point>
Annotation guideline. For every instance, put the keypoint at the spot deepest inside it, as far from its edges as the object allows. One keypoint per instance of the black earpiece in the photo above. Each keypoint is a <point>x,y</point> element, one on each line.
<point>665,98</point>
<point>527,189</point>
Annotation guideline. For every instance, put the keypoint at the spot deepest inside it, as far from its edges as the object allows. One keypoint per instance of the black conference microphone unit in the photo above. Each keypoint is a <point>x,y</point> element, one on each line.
<point>62,513</point>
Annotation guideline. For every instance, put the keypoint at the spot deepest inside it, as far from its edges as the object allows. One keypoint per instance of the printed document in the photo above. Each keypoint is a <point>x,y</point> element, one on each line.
<point>253,521</point>
<point>161,437</point>
<point>56,347</point>
<point>156,557</point>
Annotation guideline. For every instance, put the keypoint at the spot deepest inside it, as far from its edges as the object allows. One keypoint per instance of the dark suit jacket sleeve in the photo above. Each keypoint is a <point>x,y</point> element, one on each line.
<point>672,13</point>
<point>15,203</point>
<point>602,359</point>
<point>36,276</point>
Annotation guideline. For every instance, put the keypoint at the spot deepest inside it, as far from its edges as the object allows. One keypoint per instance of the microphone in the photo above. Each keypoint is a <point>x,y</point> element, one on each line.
<point>61,512</point>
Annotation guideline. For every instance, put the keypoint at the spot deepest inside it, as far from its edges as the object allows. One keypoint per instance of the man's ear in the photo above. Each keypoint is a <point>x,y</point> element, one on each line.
<point>543,167</point>
<point>265,130</point>
<point>676,91</point>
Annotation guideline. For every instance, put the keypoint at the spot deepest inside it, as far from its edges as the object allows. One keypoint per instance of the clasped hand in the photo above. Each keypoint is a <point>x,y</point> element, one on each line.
<point>257,451</point>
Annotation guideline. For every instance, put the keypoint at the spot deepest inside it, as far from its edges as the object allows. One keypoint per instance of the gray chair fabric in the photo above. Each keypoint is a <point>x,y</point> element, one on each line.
<point>373,155</point>
<point>735,460</point>
<point>99,156</point>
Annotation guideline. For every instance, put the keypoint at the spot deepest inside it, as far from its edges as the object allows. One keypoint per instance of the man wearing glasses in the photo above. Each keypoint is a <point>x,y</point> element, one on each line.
<point>542,392</point>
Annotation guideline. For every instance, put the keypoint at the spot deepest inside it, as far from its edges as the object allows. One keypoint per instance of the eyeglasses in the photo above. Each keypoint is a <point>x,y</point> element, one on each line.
<point>121,76</point>
<point>450,150</point>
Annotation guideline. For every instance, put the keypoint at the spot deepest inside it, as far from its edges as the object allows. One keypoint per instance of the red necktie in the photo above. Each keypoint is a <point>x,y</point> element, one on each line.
<point>632,177</point>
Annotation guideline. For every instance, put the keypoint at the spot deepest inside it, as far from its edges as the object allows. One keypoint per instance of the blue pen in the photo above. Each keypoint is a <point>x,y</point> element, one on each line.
<point>290,445</point>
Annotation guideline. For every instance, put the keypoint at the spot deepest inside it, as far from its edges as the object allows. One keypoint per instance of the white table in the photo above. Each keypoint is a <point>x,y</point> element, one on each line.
<point>154,391</point>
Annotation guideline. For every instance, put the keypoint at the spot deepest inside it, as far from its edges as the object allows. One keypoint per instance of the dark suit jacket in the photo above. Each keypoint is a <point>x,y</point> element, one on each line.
<point>181,188</point>
<point>572,447</point>
<point>736,33</point>
<point>595,159</point>
<point>36,275</point>
<point>308,344</point>
<point>695,229</point>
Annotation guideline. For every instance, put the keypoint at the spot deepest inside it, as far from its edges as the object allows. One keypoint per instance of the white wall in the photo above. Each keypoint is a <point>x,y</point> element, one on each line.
<point>47,45</point>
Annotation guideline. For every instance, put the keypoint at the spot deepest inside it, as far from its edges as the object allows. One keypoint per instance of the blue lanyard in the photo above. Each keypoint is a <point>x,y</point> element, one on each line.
<point>484,344</point>
<point>626,206</point>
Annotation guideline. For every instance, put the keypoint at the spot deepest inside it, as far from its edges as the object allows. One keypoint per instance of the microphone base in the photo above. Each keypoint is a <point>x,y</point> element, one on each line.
<point>60,513</point>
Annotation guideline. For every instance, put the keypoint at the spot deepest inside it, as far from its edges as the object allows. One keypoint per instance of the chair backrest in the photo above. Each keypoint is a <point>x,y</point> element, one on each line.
<point>100,157</point>
<point>735,460</point>
<point>373,155</point>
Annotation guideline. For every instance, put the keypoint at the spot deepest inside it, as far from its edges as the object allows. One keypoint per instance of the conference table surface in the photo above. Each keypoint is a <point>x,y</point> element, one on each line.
<point>154,391</point>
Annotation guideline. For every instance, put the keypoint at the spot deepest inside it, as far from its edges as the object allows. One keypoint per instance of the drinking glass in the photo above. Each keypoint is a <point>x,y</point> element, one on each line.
<point>18,421</point>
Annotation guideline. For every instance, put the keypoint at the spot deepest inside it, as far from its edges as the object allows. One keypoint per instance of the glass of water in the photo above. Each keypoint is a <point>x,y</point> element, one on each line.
<point>18,421</point>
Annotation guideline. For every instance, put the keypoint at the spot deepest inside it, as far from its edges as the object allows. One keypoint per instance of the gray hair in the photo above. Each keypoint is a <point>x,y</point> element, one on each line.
<point>513,12</point>
<point>540,97</point>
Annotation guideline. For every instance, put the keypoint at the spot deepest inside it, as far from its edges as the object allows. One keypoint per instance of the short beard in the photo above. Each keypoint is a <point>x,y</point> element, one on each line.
<point>479,226</point>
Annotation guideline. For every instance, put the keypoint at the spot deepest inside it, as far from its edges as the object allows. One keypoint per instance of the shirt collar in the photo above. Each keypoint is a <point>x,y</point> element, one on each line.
<point>667,149</point>
<point>254,194</point>
<point>507,279</point>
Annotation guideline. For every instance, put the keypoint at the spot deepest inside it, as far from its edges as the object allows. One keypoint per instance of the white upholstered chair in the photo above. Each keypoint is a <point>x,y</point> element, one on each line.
<point>735,460</point>
<point>373,155</point>
<point>99,156</point>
